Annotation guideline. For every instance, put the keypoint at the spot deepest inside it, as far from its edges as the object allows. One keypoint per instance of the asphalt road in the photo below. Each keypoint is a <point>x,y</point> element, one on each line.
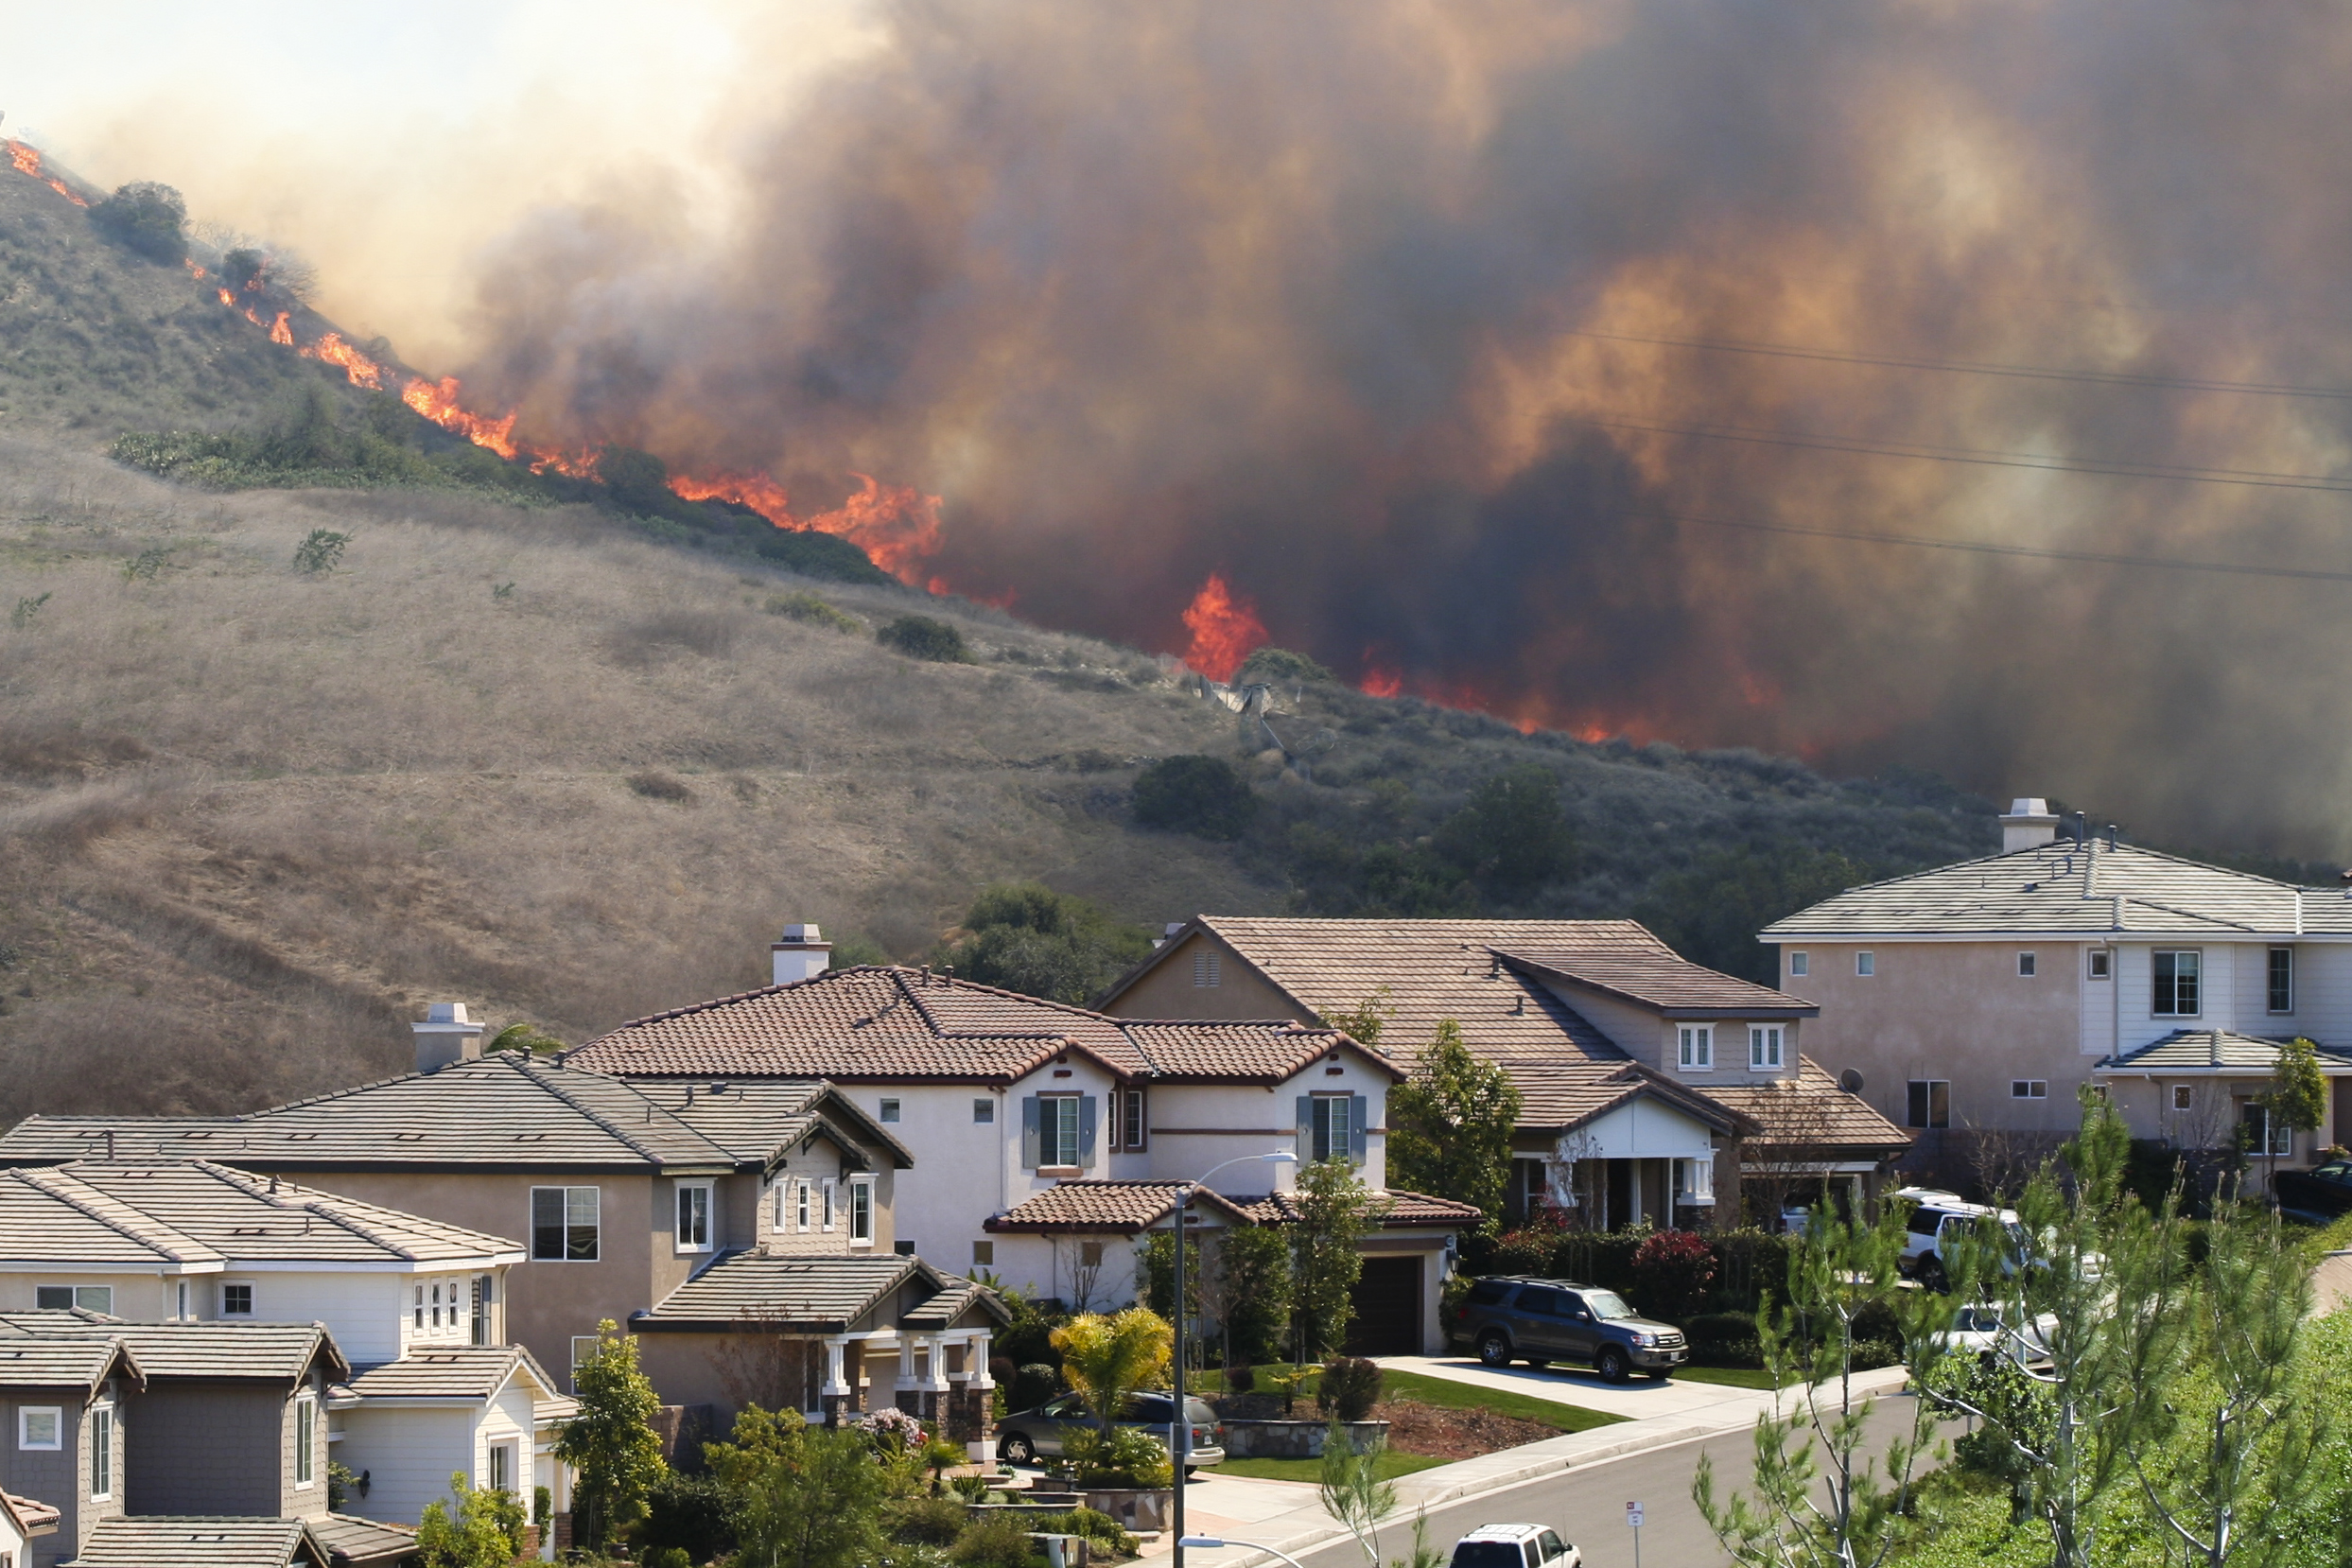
<point>1587,1506</point>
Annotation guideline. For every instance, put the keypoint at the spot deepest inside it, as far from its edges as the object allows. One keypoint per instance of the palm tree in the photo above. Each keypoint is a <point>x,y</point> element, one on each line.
<point>1107,1358</point>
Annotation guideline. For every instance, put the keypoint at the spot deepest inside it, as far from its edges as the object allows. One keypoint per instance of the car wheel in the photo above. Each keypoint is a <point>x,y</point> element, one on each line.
<point>1610,1364</point>
<point>1016,1449</point>
<point>1493,1349</point>
<point>1932,1276</point>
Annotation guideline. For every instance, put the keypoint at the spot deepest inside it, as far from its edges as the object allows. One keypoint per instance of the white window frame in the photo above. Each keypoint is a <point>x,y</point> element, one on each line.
<point>25,1440</point>
<point>592,1342</point>
<point>498,1474</point>
<point>100,1428</point>
<point>2277,1137</point>
<point>181,1315</point>
<point>801,1201</point>
<point>2184,1097</point>
<point>2028,1088</point>
<point>779,1203</point>
<point>594,1223</point>
<point>1694,1048</point>
<point>245,1285</point>
<point>2027,963</point>
<point>1765,1048</point>
<point>826,1190</point>
<point>1051,1142</point>
<point>889,1109</point>
<point>688,1212</point>
<point>1865,964</point>
<point>73,1299</point>
<point>2197,962</point>
<point>1331,1126</point>
<point>1799,963</point>
<point>305,1440</point>
<point>416,1309</point>
<point>2099,964</point>
<point>861,1210</point>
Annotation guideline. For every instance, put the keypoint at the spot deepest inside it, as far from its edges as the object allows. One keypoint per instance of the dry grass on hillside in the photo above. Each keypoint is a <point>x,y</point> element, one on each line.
<point>251,821</point>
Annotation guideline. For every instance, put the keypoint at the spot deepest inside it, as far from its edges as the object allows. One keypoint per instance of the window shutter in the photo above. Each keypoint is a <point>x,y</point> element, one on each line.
<point>1085,1133</point>
<point>1029,1132</point>
<point>1306,1129</point>
<point>1356,1120</point>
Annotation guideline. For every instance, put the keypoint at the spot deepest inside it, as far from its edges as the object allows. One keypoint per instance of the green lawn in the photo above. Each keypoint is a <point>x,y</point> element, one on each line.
<point>1449,1395</point>
<point>1730,1377</point>
<point>1389,1466</point>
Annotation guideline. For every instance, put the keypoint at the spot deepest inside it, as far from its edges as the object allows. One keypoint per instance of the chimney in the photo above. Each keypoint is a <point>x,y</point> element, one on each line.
<point>800,955</point>
<point>446,1036</point>
<point>2029,824</point>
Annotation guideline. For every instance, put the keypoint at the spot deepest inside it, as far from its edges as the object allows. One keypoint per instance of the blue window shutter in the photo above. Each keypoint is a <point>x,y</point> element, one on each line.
<point>1306,1130</point>
<point>1357,1117</point>
<point>1085,1133</point>
<point>1029,1132</point>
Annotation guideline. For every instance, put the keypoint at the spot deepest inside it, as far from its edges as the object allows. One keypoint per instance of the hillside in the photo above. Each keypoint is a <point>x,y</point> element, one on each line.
<point>569,766</point>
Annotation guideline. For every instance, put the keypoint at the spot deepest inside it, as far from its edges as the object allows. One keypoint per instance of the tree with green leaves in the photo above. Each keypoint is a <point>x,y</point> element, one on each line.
<point>1336,1212</point>
<point>1108,1357</point>
<point>809,1498</point>
<point>1450,1126</point>
<point>611,1444</point>
<point>486,1533</point>
<point>1251,1292</point>
<point>1821,1499</point>
<point>146,218</point>
<point>2297,1095</point>
<point>1367,1019</point>
<point>1191,793</point>
<point>1026,937</point>
<point>1512,836</point>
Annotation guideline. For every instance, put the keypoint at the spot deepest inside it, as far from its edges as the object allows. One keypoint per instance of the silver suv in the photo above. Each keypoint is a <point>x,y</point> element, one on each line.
<point>1936,1219</point>
<point>1511,1318</point>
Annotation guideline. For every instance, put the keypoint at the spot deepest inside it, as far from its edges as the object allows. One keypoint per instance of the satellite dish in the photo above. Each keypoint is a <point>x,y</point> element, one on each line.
<point>1850,1081</point>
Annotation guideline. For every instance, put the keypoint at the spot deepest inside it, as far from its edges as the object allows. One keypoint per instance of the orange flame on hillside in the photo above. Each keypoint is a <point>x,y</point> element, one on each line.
<point>438,403</point>
<point>1381,683</point>
<point>228,299</point>
<point>757,491</point>
<point>1225,630</point>
<point>895,524</point>
<point>280,332</point>
<point>195,271</point>
<point>362,371</point>
<point>27,161</point>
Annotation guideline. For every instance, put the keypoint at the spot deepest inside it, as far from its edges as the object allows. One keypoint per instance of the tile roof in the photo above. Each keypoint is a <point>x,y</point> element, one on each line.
<point>463,1372</point>
<point>2215,1051</point>
<point>31,1518</point>
<point>2068,888</point>
<point>1121,1207</point>
<point>196,1212</point>
<point>763,1119</point>
<point>1665,981</point>
<point>873,1023</point>
<point>1404,1211</point>
<point>800,1294</point>
<point>507,1111</point>
<point>361,1541</point>
<point>167,1541</point>
<point>81,1364</point>
<point>1811,1109</point>
<point>280,1353</point>
<point>1565,1092</point>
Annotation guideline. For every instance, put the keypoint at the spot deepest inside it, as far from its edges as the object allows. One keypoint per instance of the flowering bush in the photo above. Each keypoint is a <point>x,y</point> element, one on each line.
<point>1672,1271</point>
<point>892,1429</point>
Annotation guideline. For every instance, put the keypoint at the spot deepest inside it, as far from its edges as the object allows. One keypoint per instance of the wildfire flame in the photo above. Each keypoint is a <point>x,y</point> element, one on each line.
<point>280,332</point>
<point>194,270</point>
<point>1381,683</point>
<point>438,401</point>
<point>1226,630</point>
<point>894,524</point>
<point>362,371</point>
<point>27,161</point>
<point>228,299</point>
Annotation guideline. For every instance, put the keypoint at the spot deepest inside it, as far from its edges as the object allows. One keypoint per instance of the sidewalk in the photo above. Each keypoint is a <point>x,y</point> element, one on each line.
<point>1709,1409</point>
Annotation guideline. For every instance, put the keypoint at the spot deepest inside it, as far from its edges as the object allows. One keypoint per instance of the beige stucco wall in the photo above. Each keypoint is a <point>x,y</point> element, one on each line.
<point>1168,991</point>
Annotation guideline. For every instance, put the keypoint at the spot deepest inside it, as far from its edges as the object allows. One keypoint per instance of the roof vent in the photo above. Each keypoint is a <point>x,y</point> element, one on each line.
<point>2029,824</point>
<point>800,954</point>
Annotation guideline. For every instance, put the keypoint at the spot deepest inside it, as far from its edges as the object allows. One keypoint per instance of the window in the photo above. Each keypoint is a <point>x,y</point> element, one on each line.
<point>2025,965</point>
<point>983,1254</point>
<point>1866,964</point>
<point>2265,1137</point>
<point>1931,1102</point>
<point>1798,965</point>
<point>305,1439</point>
<point>501,1467</point>
<point>2176,984</point>
<point>485,1291</point>
<point>2282,980</point>
<point>1697,1053</point>
<point>2101,963</point>
<point>803,1186</point>
<point>860,1213</point>
<point>890,1111</point>
<point>416,1309</point>
<point>827,1187</point>
<point>182,1312</point>
<point>38,1426</point>
<point>903,1248</point>
<point>984,1114</point>
<point>237,1300</point>
<point>693,1216</point>
<point>1090,1254</point>
<point>1057,1130</point>
<point>436,1304</point>
<point>1334,1137</point>
<point>2028,1088</point>
<point>584,1347</point>
<point>1204,968</point>
<point>101,1453</point>
<point>66,1298</point>
<point>1764,1046</point>
<point>2184,1097</point>
<point>1126,1119</point>
<point>564,1225</point>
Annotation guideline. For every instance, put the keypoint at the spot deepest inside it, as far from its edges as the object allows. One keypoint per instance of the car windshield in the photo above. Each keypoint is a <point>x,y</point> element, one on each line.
<point>1489,1554</point>
<point>1607,1304</point>
<point>2335,1169</point>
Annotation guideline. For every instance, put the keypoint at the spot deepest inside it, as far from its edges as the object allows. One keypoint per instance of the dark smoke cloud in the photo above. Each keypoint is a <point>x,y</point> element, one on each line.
<point>1293,292</point>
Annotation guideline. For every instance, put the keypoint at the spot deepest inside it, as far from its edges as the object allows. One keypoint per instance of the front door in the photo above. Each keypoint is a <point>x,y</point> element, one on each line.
<point>1622,1211</point>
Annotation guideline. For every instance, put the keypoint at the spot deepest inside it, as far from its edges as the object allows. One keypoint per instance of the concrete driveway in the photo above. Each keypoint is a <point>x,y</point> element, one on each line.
<point>1637,1399</point>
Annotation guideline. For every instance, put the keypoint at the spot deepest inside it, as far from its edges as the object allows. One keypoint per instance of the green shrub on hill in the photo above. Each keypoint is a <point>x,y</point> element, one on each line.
<point>1273,665</point>
<point>146,218</point>
<point>814,554</point>
<point>1026,937</point>
<point>922,637</point>
<point>1202,795</point>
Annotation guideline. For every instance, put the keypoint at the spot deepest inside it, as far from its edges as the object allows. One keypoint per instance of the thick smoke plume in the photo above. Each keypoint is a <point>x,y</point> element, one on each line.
<point>1346,303</point>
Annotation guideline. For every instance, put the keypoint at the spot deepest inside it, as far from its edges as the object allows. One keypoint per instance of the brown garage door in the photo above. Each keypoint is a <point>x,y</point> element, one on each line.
<point>1388,1308</point>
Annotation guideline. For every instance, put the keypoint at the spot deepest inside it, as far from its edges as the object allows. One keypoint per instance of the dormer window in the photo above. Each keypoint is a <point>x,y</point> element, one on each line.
<point>1764,1047</point>
<point>1697,1048</point>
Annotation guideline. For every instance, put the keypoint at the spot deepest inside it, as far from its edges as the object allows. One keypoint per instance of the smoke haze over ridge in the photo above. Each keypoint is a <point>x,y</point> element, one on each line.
<point>1305,295</point>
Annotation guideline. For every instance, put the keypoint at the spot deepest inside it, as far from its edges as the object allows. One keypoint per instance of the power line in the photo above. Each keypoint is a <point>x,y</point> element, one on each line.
<point>2104,558</point>
<point>2045,462</point>
<point>1971,367</point>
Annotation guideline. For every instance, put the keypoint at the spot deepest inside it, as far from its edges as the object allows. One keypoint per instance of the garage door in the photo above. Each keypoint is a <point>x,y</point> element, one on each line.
<point>1388,1308</point>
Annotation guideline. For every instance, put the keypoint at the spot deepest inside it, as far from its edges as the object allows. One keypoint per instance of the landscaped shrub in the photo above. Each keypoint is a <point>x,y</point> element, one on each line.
<point>1035,1383</point>
<point>1129,1456</point>
<point>1603,1257</point>
<point>1349,1389</point>
<point>1750,1266</point>
<point>921,638</point>
<point>1240,1378</point>
<point>1724,1339</point>
<point>1092,1525</point>
<point>1671,1273</point>
<point>1191,793</point>
<point>929,1520</point>
<point>997,1541</point>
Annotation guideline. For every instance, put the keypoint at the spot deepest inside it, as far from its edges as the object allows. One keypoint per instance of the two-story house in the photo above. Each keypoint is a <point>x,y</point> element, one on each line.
<point>22,1518</point>
<point>1980,996</point>
<point>1010,1098</point>
<point>60,1433</point>
<point>1649,1083</point>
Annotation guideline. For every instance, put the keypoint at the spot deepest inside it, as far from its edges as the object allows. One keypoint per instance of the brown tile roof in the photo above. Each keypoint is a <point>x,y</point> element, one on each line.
<point>167,1541</point>
<point>1665,981</point>
<point>1124,1208</point>
<point>875,1024</point>
<point>1565,1092</point>
<point>1811,1110</point>
<point>1404,1211</point>
<point>277,1353</point>
<point>755,1292</point>
<point>31,1518</point>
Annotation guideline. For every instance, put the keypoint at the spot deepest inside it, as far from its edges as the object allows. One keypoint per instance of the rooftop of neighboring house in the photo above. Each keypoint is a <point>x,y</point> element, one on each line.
<point>275,1352</point>
<point>2091,888</point>
<point>30,1518</point>
<point>360,1542</point>
<point>465,1374</point>
<point>508,1111</point>
<point>755,1292</point>
<point>1123,1207</point>
<point>2219,1052</point>
<point>168,1540</point>
<point>1812,1110</point>
<point>1664,982</point>
<point>1566,1092</point>
<point>199,1215</point>
<point>1403,1211</point>
<point>81,1364</point>
<point>874,1023</point>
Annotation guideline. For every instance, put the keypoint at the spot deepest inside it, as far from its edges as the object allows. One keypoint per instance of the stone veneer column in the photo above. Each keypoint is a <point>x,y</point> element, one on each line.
<point>836,1393</point>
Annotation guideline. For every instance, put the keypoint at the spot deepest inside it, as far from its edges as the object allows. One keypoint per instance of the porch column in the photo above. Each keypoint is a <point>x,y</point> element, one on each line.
<point>907,1394</point>
<point>931,1377</point>
<point>968,1410</point>
<point>837,1393</point>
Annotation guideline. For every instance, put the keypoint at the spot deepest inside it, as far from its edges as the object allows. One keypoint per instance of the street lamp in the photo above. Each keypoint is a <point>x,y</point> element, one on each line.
<point>1210,1542</point>
<point>1180,1430</point>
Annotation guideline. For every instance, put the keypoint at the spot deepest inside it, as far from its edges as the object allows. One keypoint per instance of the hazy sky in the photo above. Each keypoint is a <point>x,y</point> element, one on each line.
<point>387,143</point>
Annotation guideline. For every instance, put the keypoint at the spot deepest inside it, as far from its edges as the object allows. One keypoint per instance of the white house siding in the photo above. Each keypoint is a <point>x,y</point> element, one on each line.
<point>816,1164</point>
<point>1194,1127</point>
<point>507,1420</point>
<point>409,1453</point>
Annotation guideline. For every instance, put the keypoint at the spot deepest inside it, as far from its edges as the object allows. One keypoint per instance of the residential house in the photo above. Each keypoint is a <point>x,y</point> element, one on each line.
<point>1010,1097</point>
<point>61,1404</point>
<point>1649,1084</point>
<point>170,1543</point>
<point>1972,1003</point>
<point>21,1520</point>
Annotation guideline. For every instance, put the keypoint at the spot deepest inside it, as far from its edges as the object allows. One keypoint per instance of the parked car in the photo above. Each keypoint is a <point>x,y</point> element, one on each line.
<point>1511,1318</point>
<point>1983,1331</point>
<point>1938,1218</point>
<point>1515,1547</point>
<point>2319,1194</point>
<point>1027,1436</point>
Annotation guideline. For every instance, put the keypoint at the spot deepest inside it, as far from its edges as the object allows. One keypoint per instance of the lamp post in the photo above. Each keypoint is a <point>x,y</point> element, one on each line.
<point>1180,1429</point>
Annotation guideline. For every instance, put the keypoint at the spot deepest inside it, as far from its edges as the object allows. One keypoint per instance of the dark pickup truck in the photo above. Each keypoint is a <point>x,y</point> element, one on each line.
<point>2320,1194</point>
